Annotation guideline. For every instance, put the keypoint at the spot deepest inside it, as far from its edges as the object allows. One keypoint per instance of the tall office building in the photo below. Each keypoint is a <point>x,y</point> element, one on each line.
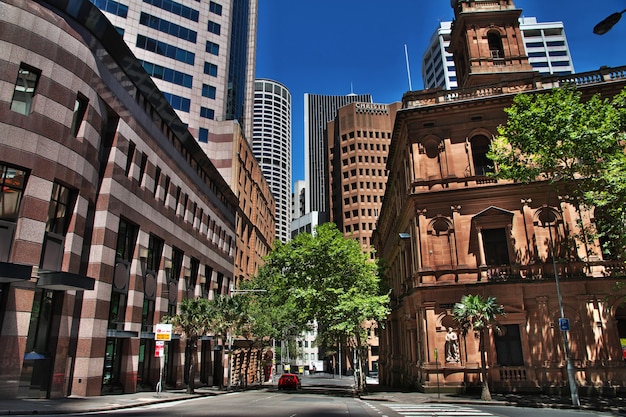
<point>358,141</point>
<point>200,55</point>
<point>319,110</point>
<point>271,145</point>
<point>545,45</point>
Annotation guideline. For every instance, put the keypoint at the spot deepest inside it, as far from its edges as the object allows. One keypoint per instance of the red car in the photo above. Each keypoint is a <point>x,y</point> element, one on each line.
<point>289,381</point>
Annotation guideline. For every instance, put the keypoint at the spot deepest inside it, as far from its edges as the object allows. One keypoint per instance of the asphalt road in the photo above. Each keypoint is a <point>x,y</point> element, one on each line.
<point>316,403</point>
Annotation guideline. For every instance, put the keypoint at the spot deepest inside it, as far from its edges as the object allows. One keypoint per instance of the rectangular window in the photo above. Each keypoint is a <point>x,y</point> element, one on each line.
<point>207,113</point>
<point>212,48</point>
<point>210,69</point>
<point>209,91</point>
<point>60,209</point>
<point>165,49</point>
<point>129,158</point>
<point>112,7</point>
<point>24,92</point>
<point>80,108</point>
<point>12,182</point>
<point>167,74</point>
<point>142,167</point>
<point>509,346</point>
<point>214,27</point>
<point>178,102</point>
<point>176,8</point>
<point>157,178</point>
<point>126,240</point>
<point>203,135</point>
<point>215,8</point>
<point>167,27</point>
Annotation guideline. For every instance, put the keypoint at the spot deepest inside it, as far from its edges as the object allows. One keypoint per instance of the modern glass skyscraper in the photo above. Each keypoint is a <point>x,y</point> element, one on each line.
<point>271,145</point>
<point>318,111</point>
<point>201,55</point>
<point>545,43</point>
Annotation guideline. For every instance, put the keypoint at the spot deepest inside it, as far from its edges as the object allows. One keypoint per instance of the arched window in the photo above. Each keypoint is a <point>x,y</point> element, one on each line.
<point>480,147</point>
<point>495,45</point>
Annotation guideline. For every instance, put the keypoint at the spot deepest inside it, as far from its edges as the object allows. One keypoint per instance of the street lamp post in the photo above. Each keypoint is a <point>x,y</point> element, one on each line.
<point>610,21</point>
<point>570,367</point>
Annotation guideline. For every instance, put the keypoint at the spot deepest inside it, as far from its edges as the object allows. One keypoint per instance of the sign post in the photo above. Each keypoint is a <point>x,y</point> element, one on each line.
<point>162,334</point>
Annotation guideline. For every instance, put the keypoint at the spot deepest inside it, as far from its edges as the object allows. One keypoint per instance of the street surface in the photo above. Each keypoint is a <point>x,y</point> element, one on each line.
<point>315,403</point>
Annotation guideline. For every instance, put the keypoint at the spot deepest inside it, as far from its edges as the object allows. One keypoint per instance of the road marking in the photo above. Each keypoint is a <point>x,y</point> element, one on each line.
<point>436,410</point>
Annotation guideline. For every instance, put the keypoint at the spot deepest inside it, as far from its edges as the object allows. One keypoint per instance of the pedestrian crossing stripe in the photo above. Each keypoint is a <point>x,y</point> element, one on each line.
<point>430,410</point>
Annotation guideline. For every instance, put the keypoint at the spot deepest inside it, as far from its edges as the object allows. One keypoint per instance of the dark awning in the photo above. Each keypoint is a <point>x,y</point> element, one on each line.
<point>64,281</point>
<point>121,334</point>
<point>10,272</point>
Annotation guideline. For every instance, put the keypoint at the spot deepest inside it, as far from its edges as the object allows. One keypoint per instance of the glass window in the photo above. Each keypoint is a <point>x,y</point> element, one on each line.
<point>212,48</point>
<point>24,92</point>
<point>60,209</point>
<point>215,8</point>
<point>167,74</point>
<point>178,102</point>
<point>210,69</point>
<point>214,27</point>
<point>203,135</point>
<point>126,240</point>
<point>207,113</point>
<point>176,8</point>
<point>167,27</point>
<point>480,148</point>
<point>208,91</point>
<point>165,49</point>
<point>80,108</point>
<point>12,183</point>
<point>112,7</point>
<point>509,346</point>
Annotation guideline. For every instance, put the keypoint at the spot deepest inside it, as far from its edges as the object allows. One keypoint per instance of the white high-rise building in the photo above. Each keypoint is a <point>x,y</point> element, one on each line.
<point>201,55</point>
<point>545,43</point>
<point>271,145</point>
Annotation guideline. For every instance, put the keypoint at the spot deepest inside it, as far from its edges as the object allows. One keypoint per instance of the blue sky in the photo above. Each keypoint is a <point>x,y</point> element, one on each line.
<point>335,46</point>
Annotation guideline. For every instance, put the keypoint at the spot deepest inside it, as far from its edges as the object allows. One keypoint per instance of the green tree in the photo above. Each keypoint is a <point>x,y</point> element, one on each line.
<point>477,314</point>
<point>577,146</point>
<point>324,278</point>
<point>193,320</point>
<point>228,316</point>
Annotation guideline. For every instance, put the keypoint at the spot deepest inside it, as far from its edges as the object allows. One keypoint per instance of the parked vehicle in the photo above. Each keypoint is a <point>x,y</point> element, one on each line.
<point>289,381</point>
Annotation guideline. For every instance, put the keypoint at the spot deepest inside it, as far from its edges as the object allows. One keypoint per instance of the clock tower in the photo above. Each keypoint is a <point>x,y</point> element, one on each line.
<point>487,43</point>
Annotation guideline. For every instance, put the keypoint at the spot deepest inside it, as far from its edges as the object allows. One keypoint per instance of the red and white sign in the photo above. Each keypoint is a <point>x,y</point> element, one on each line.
<point>159,349</point>
<point>163,332</point>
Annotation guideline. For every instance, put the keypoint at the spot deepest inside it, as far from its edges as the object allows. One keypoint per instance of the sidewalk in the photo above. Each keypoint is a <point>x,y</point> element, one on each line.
<point>321,383</point>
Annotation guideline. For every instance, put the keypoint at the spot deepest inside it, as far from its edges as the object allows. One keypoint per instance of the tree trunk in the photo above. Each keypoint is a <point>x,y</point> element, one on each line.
<point>485,395</point>
<point>193,349</point>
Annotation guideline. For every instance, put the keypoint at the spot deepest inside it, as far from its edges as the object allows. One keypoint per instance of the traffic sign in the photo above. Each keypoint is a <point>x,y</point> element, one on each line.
<point>163,332</point>
<point>159,349</point>
<point>564,324</point>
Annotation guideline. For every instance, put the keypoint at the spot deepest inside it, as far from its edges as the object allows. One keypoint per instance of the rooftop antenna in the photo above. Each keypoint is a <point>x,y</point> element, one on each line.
<point>351,90</point>
<point>408,70</point>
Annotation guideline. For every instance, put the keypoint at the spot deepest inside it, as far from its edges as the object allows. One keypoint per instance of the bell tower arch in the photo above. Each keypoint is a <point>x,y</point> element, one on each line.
<point>487,43</point>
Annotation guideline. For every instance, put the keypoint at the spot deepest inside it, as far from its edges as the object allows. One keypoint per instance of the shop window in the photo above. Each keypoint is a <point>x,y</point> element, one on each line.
<point>24,91</point>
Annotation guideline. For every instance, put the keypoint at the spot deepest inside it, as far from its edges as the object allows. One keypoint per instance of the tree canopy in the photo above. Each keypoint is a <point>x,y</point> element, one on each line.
<point>323,278</point>
<point>477,314</point>
<point>574,144</point>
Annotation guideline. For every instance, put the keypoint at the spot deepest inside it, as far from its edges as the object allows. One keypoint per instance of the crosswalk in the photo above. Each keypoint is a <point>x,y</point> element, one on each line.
<point>434,410</point>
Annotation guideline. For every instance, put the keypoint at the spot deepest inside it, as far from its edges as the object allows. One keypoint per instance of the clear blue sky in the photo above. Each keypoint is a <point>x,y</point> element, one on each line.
<point>333,46</point>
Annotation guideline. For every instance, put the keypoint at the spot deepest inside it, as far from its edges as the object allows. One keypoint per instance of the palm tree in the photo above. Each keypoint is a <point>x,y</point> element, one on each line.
<point>193,321</point>
<point>477,314</point>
